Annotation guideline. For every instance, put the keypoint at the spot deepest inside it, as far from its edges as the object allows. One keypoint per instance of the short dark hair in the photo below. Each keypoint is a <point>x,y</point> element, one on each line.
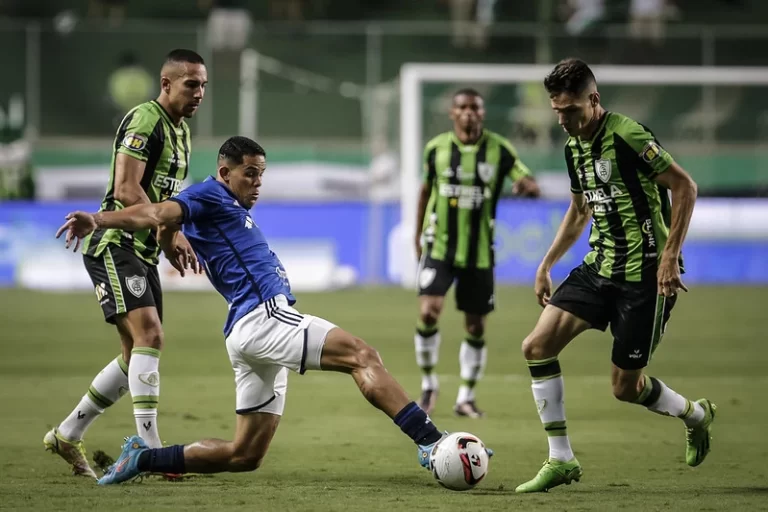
<point>235,148</point>
<point>467,91</point>
<point>181,55</point>
<point>570,76</point>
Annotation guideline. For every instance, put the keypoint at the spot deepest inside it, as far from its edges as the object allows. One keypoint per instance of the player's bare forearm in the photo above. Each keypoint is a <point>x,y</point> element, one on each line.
<point>141,216</point>
<point>129,172</point>
<point>573,224</point>
<point>422,208</point>
<point>684,192</point>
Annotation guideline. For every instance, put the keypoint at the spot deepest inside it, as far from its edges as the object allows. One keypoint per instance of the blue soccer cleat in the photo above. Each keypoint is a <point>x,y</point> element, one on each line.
<point>425,452</point>
<point>126,467</point>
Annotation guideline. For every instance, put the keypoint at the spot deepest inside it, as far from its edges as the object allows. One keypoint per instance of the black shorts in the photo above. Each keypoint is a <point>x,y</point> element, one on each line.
<point>637,314</point>
<point>474,286</point>
<point>124,282</point>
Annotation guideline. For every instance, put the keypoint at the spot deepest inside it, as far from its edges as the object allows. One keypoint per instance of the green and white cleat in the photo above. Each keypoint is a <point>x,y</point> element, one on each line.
<point>698,438</point>
<point>553,473</point>
<point>72,452</point>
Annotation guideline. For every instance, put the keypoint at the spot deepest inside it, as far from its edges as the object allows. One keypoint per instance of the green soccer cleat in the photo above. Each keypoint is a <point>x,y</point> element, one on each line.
<point>698,438</point>
<point>73,452</point>
<point>552,474</point>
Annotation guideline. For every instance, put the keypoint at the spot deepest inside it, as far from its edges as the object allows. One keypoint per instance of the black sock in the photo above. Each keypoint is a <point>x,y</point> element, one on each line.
<point>415,423</point>
<point>163,460</point>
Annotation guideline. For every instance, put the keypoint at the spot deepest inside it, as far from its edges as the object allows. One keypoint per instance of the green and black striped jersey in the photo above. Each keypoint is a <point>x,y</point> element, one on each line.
<point>146,133</point>
<point>631,213</point>
<point>466,182</point>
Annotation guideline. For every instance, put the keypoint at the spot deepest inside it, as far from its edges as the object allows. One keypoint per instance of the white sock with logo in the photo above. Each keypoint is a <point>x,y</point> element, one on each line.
<point>144,381</point>
<point>549,391</point>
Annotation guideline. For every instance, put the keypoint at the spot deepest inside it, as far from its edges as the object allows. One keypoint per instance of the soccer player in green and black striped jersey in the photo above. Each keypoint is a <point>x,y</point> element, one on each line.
<point>464,173</point>
<point>150,158</point>
<point>620,179</point>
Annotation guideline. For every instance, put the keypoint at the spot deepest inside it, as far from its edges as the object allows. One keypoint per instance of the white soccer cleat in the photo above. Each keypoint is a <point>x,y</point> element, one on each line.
<point>72,452</point>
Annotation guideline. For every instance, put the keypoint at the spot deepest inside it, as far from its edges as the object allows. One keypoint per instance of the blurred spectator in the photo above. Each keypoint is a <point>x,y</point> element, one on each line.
<point>290,10</point>
<point>229,24</point>
<point>16,181</point>
<point>113,10</point>
<point>129,84</point>
<point>647,19</point>
<point>583,15</point>
<point>472,20</point>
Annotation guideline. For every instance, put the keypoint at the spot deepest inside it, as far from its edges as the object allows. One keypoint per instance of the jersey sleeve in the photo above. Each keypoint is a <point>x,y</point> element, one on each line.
<point>652,158</point>
<point>196,202</point>
<point>138,135</point>
<point>513,166</point>
<point>575,183</point>
<point>429,171</point>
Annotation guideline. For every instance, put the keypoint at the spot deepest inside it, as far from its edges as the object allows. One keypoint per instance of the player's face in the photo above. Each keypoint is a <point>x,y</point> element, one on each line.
<point>187,88</point>
<point>575,112</point>
<point>244,180</point>
<point>467,112</point>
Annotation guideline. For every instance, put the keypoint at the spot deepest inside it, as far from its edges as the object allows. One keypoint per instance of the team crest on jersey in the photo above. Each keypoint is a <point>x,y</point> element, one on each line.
<point>486,171</point>
<point>603,170</point>
<point>650,152</point>
<point>135,142</point>
<point>137,285</point>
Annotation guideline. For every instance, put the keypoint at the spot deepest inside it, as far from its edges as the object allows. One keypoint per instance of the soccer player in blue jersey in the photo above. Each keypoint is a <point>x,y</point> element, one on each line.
<point>265,335</point>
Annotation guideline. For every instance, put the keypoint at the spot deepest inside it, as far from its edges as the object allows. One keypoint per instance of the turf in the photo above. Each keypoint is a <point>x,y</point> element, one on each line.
<point>334,452</point>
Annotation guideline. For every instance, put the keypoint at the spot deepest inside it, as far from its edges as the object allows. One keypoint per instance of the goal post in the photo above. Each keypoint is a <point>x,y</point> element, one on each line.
<point>413,77</point>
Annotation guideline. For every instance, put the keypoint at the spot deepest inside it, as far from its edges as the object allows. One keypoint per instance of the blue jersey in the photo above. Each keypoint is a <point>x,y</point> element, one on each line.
<point>232,248</point>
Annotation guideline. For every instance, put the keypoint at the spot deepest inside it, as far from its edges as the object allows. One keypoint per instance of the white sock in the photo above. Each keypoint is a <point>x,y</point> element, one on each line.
<point>549,393</point>
<point>669,402</point>
<point>106,389</point>
<point>144,380</point>
<point>427,352</point>
<point>472,363</point>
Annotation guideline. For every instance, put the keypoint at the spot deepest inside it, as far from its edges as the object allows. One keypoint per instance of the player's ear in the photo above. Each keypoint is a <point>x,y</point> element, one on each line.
<point>595,99</point>
<point>223,171</point>
<point>165,84</point>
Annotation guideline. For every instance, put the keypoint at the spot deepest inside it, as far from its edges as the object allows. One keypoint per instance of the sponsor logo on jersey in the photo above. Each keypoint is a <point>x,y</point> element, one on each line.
<point>167,185</point>
<point>650,152</point>
<point>135,142</point>
<point>248,222</point>
<point>602,199</point>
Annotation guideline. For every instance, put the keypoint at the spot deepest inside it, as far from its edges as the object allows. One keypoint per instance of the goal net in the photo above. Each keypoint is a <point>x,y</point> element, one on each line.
<point>713,119</point>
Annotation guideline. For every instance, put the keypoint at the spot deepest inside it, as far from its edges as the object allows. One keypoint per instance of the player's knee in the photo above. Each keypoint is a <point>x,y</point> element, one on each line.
<point>151,337</point>
<point>534,347</point>
<point>429,315</point>
<point>245,462</point>
<point>475,329</point>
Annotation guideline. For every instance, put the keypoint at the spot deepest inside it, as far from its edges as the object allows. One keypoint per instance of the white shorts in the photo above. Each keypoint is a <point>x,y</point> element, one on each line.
<point>264,345</point>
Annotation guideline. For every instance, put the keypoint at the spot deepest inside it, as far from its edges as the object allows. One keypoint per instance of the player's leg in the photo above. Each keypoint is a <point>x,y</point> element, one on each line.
<point>141,321</point>
<point>475,297</point>
<point>577,305</point>
<point>260,401</point>
<point>107,387</point>
<point>435,278</point>
<point>639,323</point>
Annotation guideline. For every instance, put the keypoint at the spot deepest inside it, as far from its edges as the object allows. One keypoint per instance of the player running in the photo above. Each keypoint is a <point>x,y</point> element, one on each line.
<point>265,335</point>
<point>464,173</point>
<point>150,158</point>
<point>620,176</point>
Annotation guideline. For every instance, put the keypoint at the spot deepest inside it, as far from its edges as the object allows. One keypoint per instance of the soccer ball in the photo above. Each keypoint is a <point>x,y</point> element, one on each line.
<point>459,461</point>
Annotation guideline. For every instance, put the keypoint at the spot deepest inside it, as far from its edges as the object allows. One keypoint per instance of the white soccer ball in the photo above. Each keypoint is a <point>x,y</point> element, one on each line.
<point>459,461</point>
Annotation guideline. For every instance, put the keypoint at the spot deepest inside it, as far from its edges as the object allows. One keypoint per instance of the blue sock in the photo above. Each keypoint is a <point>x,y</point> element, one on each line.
<point>163,460</point>
<point>415,423</point>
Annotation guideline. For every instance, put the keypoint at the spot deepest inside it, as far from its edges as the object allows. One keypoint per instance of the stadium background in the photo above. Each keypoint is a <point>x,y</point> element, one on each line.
<point>317,83</point>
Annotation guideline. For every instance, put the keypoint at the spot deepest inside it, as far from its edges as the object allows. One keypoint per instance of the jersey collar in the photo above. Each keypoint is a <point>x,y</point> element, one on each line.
<point>468,147</point>
<point>164,113</point>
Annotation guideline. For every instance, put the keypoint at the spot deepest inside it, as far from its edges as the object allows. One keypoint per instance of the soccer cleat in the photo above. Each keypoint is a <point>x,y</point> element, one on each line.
<point>428,400</point>
<point>126,467</point>
<point>552,474</point>
<point>425,452</point>
<point>698,438</point>
<point>71,451</point>
<point>468,409</point>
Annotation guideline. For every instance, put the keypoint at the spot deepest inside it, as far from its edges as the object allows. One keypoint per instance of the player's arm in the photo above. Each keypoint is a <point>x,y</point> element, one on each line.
<point>128,174</point>
<point>425,190</point>
<point>684,192</point>
<point>134,218</point>
<point>524,184</point>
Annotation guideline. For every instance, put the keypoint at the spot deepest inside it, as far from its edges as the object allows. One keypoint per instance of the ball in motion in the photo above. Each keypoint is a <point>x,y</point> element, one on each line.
<point>459,461</point>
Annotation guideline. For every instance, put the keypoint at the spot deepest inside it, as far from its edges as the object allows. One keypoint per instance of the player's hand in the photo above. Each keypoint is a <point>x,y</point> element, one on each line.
<point>526,187</point>
<point>543,286</point>
<point>417,244</point>
<point>668,278</point>
<point>181,255</point>
<point>78,226</point>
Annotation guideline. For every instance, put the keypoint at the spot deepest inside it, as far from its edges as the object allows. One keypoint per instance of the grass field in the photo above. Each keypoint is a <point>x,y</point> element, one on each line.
<point>334,452</point>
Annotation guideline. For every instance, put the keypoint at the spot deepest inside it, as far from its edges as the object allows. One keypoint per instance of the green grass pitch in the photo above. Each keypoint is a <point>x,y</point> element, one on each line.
<point>335,452</point>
